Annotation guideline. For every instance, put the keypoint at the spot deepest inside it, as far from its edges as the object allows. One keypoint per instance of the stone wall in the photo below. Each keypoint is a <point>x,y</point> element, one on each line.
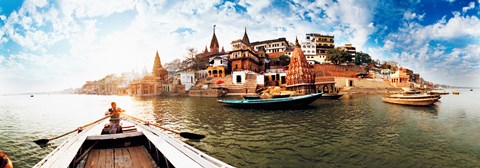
<point>337,70</point>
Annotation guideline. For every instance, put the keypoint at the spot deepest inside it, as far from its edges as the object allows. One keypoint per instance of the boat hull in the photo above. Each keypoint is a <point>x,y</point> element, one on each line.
<point>273,103</point>
<point>139,145</point>
<point>411,102</point>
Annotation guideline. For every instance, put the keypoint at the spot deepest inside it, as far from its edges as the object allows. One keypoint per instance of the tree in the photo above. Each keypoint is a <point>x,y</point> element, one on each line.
<point>337,56</point>
<point>361,58</point>
<point>284,60</point>
<point>194,60</point>
<point>174,66</point>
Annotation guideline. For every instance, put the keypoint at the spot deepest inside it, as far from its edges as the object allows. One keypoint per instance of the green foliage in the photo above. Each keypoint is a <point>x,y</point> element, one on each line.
<point>337,56</point>
<point>284,60</point>
<point>361,58</point>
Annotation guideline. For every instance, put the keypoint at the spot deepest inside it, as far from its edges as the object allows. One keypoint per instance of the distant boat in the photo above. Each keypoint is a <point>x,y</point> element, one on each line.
<point>273,103</point>
<point>438,92</point>
<point>456,92</point>
<point>31,95</point>
<point>331,96</point>
<point>411,102</point>
<point>471,89</point>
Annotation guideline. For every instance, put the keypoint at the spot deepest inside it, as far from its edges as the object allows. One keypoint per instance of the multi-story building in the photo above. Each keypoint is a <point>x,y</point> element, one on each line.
<point>323,43</point>
<point>350,49</point>
<point>244,59</point>
<point>271,46</point>
<point>310,52</point>
<point>218,65</point>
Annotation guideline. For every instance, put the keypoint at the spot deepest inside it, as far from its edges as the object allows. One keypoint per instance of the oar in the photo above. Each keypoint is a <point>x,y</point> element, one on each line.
<point>187,135</point>
<point>45,141</point>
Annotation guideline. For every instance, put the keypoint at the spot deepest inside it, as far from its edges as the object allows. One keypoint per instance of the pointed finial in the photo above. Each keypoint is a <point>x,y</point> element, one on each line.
<point>296,42</point>
<point>214,29</point>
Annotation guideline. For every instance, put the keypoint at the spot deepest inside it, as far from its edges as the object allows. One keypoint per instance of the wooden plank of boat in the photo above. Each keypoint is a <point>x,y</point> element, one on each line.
<point>173,148</point>
<point>174,151</point>
<point>413,102</point>
<point>65,153</point>
<point>273,102</point>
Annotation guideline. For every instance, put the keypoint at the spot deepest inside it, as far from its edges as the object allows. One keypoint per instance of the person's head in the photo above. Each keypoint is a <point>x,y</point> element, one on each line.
<point>5,161</point>
<point>114,105</point>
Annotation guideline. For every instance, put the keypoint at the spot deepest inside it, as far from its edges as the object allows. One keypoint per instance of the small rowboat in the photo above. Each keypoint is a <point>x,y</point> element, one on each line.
<point>331,96</point>
<point>412,102</point>
<point>139,145</point>
<point>456,92</point>
<point>414,96</point>
<point>438,92</point>
<point>273,103</point>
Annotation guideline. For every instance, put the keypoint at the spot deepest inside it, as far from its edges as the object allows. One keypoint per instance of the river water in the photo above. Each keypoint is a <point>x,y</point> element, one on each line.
<point>355,131</point>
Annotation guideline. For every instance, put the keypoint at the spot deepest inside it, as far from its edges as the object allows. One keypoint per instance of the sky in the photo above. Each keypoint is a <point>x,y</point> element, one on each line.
<point>54,45</point>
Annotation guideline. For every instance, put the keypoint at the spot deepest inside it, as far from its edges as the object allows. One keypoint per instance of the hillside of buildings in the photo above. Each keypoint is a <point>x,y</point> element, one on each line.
<point>313,65</point>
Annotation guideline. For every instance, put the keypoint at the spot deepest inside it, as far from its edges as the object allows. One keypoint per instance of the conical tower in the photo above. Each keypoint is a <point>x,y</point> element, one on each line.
<point>245,37</point>
<point>158,72</point>
<point>214,47</point>
<point>300,76</point>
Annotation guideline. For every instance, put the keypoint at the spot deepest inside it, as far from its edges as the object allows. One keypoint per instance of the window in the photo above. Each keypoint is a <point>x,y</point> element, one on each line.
<point>239,79</point>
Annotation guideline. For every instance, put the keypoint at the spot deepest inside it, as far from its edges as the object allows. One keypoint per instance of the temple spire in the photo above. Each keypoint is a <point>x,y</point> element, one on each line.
<point>214,47</point>
<point>156,64</point>
<point>223,50</point>
<point>296,42</point>
<point>245,37</point>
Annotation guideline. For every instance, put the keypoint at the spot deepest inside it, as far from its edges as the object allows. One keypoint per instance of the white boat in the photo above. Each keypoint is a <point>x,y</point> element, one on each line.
<point>139,145</point>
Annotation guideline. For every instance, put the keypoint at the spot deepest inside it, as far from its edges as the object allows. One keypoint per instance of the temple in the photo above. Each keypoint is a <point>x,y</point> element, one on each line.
<point>300,77</point>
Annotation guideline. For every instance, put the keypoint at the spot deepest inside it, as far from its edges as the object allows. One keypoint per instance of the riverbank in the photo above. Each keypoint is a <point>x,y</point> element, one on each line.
<point>364,86</point>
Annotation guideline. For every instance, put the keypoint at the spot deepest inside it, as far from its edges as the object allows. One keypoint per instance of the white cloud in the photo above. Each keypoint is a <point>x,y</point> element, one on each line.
<point>411,16</point>
<point>471,5</point>
<point>451,1</point>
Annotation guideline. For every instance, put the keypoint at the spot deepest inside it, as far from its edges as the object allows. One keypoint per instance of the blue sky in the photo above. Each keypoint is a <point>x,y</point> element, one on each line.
<point>52,45</point>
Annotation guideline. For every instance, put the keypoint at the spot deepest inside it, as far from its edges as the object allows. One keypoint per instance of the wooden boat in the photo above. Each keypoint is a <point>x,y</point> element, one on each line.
<point>438,92</point>
<point>471,89</point>
<point>456,92</point>
<point>331,96</point>
<point>139,145</point>
<point>412,102</point>
<point>413,96</point>
<point>273,102</point>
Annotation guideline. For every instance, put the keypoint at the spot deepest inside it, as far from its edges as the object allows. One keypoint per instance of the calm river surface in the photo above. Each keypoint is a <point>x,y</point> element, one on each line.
<point>356,131</point>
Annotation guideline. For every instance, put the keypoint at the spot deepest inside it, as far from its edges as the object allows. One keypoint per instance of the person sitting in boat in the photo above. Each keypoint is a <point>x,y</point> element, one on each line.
<point>115,126</point>
<point>5,161</point>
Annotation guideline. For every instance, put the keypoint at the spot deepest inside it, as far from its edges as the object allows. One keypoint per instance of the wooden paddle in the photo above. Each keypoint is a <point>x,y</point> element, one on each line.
<point>45,141</point>
<point>187,135</point>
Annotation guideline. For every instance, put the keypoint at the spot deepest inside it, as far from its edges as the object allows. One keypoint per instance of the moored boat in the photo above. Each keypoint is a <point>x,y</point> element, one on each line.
<point>412,102</point>
<point>273,102</point>
<point>139,145</point>
<point>413,96</point>
<point>331,96</point>
<point>456,92</point>
<point>439,92</point>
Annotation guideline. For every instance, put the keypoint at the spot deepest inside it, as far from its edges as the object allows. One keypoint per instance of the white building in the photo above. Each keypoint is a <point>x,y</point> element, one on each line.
<point>271,46</point>
<point>188,79</point>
